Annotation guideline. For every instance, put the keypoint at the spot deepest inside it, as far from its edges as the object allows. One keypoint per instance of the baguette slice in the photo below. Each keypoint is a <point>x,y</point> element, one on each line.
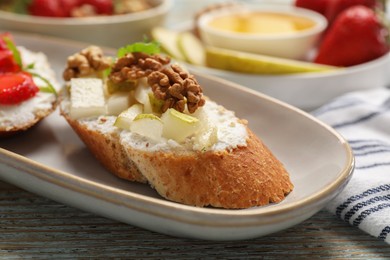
<point>235,177</point>
<point>103,140</point>
<point>188,148</point>
<point>20,117</point>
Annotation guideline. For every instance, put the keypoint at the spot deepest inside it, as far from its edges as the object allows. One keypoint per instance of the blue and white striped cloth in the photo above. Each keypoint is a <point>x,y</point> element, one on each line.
<point>363,118</point>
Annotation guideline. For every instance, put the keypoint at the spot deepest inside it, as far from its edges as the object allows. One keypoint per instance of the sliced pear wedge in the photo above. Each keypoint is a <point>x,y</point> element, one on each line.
<point>259,64</point>
<point>117,102</point>
<point>147,125</point>
<point>123,86</point>
<point>207,135</point>
<point>206,138</point>
<point>178,126</point>
<point>141,95</point>
<point>168,40</point>
<point>125,118</point>
<point>156,104</point>
<point>192,48</point>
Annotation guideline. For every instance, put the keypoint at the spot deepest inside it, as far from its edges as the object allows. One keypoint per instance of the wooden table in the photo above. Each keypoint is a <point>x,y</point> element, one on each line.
<point>35,227</point>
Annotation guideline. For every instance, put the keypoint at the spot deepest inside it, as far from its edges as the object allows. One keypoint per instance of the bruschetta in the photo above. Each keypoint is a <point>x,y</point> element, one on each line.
<point>146,119</point>
<point>28,87</point>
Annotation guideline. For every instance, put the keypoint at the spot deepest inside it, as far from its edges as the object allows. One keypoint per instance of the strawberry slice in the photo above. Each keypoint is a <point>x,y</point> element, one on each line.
<point>7,62</point>
<point>16,88</point>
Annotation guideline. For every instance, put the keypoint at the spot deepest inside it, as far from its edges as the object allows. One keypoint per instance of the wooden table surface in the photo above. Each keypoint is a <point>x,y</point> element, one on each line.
<point>35,227</point>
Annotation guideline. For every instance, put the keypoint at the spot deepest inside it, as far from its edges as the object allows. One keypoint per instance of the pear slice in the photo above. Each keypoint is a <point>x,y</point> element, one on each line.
<point>148,125</point>
<point>125,118</point>
<point>178,126</point>
<point>168,40</point>
<point>207,135</point>
<point>141,95</point>
<point>259,64</point>
<point>192,48</point>
<point>117,102</point>
<point>155,103</point>
<point>122,86</point>
<point>206,138</point>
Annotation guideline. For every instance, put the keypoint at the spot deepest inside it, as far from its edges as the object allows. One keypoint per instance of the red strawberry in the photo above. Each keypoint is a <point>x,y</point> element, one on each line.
<point>16,88</point>
<point>356,36</point>
<point>101,6</point>
<point>319,6</point>
<point>7,62</point>
<point>335,7</point>
<point>50,8</point>
<point>3,45</point>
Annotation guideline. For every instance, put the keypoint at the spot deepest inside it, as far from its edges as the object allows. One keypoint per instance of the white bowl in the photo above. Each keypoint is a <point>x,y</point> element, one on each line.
<point>292,45</point>
<point>309,91</point>
<point>111,31</point>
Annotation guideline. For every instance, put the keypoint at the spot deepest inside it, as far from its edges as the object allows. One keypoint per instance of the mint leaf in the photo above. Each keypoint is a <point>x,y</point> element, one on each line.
<point>15,52</point>
<point>49,88</point>
<point>149,48</point>
<point>30,66</point>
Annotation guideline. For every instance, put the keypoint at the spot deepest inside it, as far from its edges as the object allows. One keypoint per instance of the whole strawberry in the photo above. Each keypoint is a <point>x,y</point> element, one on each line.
<point>356,36</point>
<point>335,7</point>
<point>319,6</point>
<point>51,8</point>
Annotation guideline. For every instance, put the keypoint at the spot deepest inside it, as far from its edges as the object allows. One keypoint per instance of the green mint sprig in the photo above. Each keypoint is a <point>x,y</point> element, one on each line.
<point>145,47</point>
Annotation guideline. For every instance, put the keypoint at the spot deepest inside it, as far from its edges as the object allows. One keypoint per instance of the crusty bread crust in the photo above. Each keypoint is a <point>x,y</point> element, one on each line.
<point>244,177</point>
<point>39,115</point>
<point>107,150</point>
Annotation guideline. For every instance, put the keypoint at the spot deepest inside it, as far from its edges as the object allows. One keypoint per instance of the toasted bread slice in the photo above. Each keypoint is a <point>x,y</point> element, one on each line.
<point>102,139</point>
<point>187,147</point>
<point>240,177</point>
<point>20,117</point>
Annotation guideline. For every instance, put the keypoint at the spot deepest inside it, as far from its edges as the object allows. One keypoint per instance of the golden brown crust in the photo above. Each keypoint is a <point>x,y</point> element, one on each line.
<point>7,131</point>
<point>108,151</point>
<point>245,177</point>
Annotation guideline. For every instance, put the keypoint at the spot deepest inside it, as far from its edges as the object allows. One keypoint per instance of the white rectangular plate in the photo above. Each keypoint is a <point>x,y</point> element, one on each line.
<point>51,160</point>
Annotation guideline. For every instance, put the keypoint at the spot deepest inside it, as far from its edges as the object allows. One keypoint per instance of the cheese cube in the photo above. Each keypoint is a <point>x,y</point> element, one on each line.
<point>87,98</point>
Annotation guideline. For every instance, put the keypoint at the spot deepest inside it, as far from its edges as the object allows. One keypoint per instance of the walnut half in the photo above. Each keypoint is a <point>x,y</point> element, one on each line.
<point>136,65</point>
<point>88,61</point>
<point>176,88</point>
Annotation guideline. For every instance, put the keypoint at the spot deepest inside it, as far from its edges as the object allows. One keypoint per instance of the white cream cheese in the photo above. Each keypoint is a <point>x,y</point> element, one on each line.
<point>231,133</point>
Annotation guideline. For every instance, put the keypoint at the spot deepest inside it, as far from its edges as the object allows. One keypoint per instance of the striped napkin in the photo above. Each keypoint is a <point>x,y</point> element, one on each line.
<point>363,118</point>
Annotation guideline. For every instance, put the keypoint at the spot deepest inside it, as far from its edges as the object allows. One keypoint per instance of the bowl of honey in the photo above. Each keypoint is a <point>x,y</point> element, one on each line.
<point>279,31</point>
